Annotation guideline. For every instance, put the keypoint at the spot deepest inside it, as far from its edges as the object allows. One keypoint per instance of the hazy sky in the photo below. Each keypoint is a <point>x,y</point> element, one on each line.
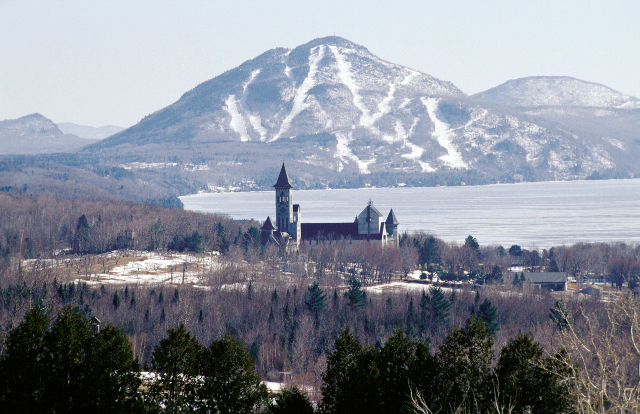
<point>114,62</point>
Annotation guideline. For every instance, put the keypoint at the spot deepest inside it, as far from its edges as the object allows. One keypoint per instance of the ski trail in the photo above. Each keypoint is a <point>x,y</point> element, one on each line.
<point>344,153</point>
<point>237,122</point>
<point>416,150</point>
<point>255,120</point>
<point>443,134</point>
<point>344,73</point>
<point>317,53</point>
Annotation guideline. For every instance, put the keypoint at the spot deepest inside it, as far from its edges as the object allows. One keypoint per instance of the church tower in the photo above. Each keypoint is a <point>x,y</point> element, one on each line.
<point>284,202</point>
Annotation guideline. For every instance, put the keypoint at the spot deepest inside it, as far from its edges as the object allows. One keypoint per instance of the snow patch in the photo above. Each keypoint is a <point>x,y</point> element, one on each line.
<point>443,134</point>
<point>412,74</point>
<point>344,73</point>
<point>316,55</point>
<point>344,153</point>
<point>237,122</point>
<point>255,120</point>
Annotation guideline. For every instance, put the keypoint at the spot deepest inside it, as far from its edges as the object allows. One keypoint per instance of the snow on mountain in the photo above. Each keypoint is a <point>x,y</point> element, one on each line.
<point>337,107</point>
<point>556,91</point>
<point>35,134</point>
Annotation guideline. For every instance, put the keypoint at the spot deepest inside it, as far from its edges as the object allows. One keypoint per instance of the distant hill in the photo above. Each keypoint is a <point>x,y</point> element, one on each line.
<point>89,132</point>
<point>540,91</point>
<point>35,134</point>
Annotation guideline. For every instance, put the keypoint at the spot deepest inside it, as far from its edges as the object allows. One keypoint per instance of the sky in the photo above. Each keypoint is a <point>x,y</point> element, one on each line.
<point>113,62</point>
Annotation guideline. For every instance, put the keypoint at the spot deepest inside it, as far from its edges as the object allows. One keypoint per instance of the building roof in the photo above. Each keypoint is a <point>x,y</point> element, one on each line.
<point>334,231</point>
<point>391,218</point>
<point>268,224</point>
<point>546,277</point>
<point>283,179</point>
<point>369,210</point>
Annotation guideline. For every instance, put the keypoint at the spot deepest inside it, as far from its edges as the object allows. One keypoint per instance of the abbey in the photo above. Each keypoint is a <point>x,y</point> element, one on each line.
<point>288,228</point>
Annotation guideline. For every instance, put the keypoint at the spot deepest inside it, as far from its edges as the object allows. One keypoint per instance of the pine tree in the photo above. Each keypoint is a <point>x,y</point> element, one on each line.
<point>230,383</point>
<point>315,299</point>
<point>463,361</point>
<point>116,300</point>
<point>176,362</point>
<point>291,401</point>
<point>356,296</point>
<point>489,316</point>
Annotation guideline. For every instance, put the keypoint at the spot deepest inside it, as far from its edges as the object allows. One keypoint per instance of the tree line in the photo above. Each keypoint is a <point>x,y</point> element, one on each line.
<point>70,366</point>
<point>66,366</point>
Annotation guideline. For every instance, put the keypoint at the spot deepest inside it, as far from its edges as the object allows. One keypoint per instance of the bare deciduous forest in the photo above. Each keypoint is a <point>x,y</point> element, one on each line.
<point>289,308</point>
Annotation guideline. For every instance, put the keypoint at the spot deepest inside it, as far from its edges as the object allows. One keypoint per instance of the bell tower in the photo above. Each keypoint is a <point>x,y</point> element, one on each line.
<point>284,201</point>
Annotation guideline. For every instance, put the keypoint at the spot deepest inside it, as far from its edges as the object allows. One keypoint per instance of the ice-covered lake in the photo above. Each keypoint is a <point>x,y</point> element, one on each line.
<point>529,214</point>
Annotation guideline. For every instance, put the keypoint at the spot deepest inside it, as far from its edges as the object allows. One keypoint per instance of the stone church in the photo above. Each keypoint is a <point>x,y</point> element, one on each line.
<point>288,228</point>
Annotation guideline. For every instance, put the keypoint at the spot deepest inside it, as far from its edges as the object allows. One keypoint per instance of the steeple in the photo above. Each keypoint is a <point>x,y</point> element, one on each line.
<point>391,219</point>
<point>283,179</point>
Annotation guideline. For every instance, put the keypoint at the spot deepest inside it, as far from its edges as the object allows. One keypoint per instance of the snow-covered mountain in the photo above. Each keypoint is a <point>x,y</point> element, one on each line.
<point>539,91</point>
<point>332,106</point>
<point>35,134</point>
<point>88,132</point>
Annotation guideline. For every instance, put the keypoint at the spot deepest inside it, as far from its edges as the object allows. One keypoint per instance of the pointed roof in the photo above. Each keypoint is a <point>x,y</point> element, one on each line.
<point>268,225</point>
<point>391,218</point>
<point>283,179</point>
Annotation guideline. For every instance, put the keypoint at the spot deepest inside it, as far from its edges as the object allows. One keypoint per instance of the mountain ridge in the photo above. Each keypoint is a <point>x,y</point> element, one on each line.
<point>345,118</point>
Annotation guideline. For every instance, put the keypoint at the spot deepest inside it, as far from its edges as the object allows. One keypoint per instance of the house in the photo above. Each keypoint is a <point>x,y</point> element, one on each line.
<point>554,281</point>
<point>289,229</point>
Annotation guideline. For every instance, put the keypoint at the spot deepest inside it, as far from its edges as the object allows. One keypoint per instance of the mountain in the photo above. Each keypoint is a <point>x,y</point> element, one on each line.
<point>540,91</point>
<point>88,132</point>
<point>35,134</point>
<point>347,118</point>
<point>593,113</point>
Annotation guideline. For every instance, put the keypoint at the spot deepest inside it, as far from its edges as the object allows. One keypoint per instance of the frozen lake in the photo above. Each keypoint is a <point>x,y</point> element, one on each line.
<point>529,214</point>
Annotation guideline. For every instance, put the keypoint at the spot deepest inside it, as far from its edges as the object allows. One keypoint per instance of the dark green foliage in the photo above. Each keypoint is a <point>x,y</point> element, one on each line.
<point>223,241</point>
<point>553,266</point>
<point>65,368</point>
<point>463,382</point>
<point>560,316</point>
<point>341,380</point>
<point>428,252</point>
<point>231,385</point>
<point>356,296</point>
<point>529,382</point>
<point>489,316</point>
<point>495,276</point>
<point>315,299</point>
<point>175,361</point>
<point>193,243</point>
<point>291,401</point>
<point>116,300</point>
<point>434,310</point>
<point>515,250</point>
<point>471,243</point>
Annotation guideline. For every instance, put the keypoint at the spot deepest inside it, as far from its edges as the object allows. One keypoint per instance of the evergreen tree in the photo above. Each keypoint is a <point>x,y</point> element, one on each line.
<point>435,308</point>
<point>357,297</point>
<point>230,384</point>
<point>22,382</point>
<point>489,316</point>
<point>463,381</point>
<point>291,401</point>
<point>315,299</point>
<point>65,368</point>
<point>560,316</point>
<point>346,387</point>
<point>175,361</point>
<point>527,381</point>
<point>116,300</point>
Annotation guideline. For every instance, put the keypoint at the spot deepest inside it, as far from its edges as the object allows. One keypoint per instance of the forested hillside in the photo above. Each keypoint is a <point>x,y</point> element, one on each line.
<point>459,337</point>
